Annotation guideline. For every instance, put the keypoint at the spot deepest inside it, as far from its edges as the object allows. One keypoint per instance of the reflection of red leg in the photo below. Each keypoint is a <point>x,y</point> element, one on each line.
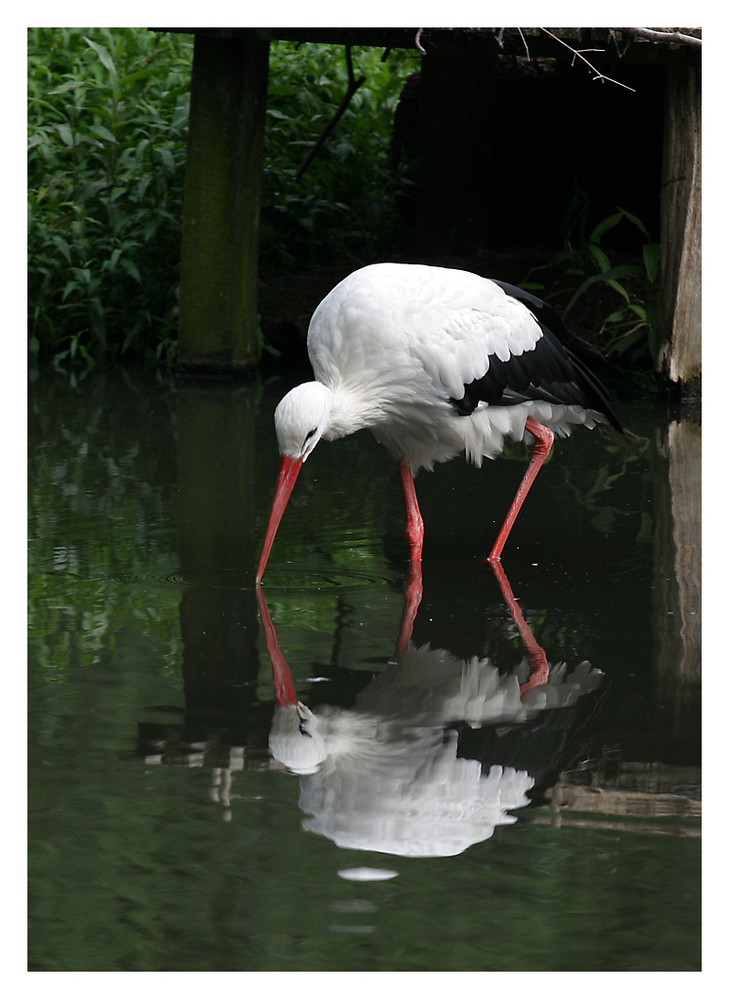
<point>284,691</point>
<point>412,594</point>
<point>414,521</point>
<point>537,658</point>
<point>540,451</point>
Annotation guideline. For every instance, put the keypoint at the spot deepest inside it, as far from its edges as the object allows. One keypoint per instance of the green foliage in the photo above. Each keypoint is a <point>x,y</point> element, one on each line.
<point>95,486</point>
<point>627,315</point>
<point>634,317</point>
<point>107,122</point>
<point>343,201</point>
<point>107,135</point>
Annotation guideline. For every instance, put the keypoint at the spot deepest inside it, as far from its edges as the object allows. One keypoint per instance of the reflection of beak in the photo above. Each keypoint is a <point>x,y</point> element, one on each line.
<point>288,471</point>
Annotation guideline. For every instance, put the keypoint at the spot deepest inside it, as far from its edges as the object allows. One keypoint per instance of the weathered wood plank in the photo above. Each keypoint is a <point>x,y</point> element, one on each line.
<point>680,278</point>
<point>677,589</point>
<point>219,265</point>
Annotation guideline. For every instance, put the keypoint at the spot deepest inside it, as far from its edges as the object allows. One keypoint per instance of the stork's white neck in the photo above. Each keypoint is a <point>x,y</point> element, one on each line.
<point>351,410</point>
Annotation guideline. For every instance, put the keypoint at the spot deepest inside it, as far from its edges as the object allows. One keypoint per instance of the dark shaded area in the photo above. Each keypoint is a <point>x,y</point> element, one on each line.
<point>550,144</point>
<point>529,154</point>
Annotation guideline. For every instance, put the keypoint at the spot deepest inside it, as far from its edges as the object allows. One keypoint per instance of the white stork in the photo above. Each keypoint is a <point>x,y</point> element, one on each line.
<point>436,361</point>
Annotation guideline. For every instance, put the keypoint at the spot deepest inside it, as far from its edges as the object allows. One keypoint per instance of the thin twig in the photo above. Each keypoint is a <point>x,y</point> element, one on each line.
<point>418,41</point>
<point>352,86</point>
<point>576,53</point>
<point>524,42</point>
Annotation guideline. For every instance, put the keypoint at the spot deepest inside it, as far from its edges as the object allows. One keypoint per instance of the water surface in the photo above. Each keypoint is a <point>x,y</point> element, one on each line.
<point>509,783</point>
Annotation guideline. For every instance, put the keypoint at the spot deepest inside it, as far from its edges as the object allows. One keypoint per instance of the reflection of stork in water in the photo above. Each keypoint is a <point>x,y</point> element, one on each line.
<point>386,775</point>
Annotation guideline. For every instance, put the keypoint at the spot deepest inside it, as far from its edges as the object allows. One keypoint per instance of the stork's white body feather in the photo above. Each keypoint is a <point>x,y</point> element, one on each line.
<point>395,342</point>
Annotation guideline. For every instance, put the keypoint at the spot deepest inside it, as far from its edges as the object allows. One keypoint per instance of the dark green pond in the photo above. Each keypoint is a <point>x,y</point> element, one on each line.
<point>418,814</point>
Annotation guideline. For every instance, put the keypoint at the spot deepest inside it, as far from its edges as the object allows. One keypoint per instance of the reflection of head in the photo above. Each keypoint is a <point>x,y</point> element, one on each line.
<point>295,738</point>
<point>386,776</point>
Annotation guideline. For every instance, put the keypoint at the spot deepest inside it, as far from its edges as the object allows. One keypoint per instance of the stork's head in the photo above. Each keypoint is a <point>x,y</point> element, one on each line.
<point>301,418</point>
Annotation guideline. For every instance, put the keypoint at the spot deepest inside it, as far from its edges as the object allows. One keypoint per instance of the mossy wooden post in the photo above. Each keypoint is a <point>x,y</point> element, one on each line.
<point>219,268</point>
<point>680,279</point>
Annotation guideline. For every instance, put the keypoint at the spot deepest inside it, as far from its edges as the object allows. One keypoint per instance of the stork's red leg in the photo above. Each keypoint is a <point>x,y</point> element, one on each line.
<point>414,521</point>
<point>540,450</point>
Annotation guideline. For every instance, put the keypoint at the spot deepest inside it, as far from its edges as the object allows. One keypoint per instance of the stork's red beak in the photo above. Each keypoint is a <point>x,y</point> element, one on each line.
<point>288,471</point>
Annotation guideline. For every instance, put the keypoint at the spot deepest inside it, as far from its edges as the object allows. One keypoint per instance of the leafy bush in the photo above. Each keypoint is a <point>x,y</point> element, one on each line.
<point>622,291</point>
<point>343,202</point>
<point>108,114</point>
<point>107,117</point>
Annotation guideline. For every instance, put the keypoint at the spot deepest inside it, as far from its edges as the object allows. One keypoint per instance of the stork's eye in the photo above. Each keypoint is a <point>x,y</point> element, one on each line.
<point>301,724</point>
<point>310,434</point>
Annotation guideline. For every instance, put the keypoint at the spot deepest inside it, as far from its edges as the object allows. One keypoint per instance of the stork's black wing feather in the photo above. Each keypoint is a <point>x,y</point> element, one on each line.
<point>552,371</point>
<point>608,373</point>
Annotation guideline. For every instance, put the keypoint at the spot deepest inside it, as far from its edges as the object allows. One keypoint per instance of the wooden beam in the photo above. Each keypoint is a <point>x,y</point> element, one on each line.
<point>219,266</point>
<point>680,278</point>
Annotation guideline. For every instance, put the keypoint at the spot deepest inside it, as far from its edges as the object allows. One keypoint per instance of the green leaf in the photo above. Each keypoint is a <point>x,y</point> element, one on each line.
<point>620,271</point>
<point>66,134</point>
<point>600,257</point>
<point>83,274</point>
<point>65,87</point>
<point>603,227</point>
<point>617,287</point>
<point>104,57</point>
<point>102,132</point>
<point>62,245</point>
<point>636,221</point>
<point>166,157</point>
<point>652,257</point>
<point>132,270</point>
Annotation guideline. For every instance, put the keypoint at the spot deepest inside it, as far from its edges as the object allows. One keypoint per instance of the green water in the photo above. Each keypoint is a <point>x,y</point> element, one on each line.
<point>163,834</point>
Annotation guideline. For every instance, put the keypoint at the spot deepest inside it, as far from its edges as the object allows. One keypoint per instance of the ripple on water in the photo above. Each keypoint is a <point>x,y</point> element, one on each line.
<point>293,580</point>
<point>278,579</point>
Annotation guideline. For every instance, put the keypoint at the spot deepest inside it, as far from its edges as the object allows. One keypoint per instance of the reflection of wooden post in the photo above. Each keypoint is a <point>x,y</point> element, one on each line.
<point>677,581</point>
<point>217,546</point>
<point>681,237</point>
<point>219,269</point>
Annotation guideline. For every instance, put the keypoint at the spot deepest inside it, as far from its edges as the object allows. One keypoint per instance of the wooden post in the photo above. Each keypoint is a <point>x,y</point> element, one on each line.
<point>219,267</point>
<point>680,279</point>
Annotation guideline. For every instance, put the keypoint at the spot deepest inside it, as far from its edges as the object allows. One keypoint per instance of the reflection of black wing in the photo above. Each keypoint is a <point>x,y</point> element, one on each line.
<point>544,746</point>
